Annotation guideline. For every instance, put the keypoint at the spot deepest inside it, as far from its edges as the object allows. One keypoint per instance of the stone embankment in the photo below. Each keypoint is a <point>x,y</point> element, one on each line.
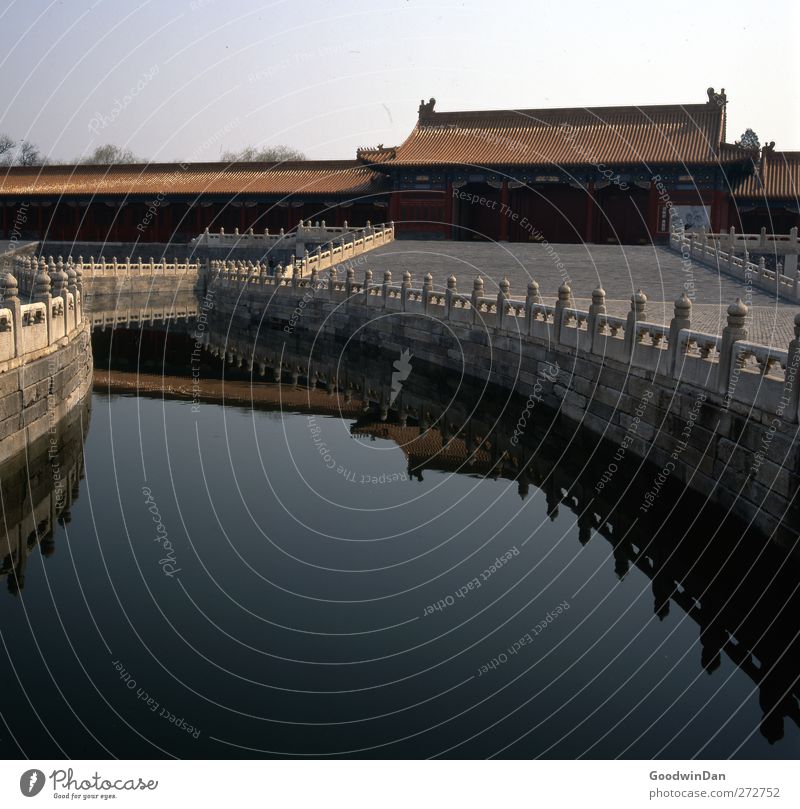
<point>45,355</point>
<point>713,411</point>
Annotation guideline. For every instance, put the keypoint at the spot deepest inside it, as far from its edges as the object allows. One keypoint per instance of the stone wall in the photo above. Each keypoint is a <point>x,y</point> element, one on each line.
<point>45,356</point>
<point>713,412</point>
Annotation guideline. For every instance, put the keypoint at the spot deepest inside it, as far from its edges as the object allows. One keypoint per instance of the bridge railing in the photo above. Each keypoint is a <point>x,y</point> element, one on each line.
<point>719,250</point>
<point>26,268</point>
<point>729,365</point>
<point>345,240</point>
<point>54,314</point>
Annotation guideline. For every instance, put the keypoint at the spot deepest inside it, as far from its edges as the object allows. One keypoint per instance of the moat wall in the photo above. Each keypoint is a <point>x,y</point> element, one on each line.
<point>729,452</point>
<point>43,391</point>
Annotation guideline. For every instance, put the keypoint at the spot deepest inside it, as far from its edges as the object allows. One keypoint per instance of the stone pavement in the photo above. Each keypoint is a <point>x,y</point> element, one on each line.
<point>619,269</point>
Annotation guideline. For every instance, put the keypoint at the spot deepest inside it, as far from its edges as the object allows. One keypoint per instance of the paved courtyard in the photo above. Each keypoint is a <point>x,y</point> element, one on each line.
<point>619,269</point>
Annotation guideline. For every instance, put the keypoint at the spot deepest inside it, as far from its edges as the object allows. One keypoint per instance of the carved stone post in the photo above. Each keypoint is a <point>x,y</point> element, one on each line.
<point>681,320</point>
<point>367,284</point>
<point>735,330</point>
<point>502,303</point>
<point>41,294</point>
<point>564,302</point>
<point>11,301</point>
<point>637,313</point>
<point>349,280</point>
<point>448,296</point>
<point>477,294</point>
<point>387,279</point>
<point>331,282</point>
<point>72,288</point>
<point>405,286</point>
<point>60,281</point>
<point>427,289</point>
<point>532,298</point>
<point>597,310</point>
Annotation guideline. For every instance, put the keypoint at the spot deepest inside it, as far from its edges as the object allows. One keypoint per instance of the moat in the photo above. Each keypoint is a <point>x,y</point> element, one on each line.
<point>379,559</point>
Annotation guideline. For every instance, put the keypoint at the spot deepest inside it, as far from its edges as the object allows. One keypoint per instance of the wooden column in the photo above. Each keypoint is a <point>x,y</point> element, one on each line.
<point>588,232</point>
<point>394,206</point>
<point>504,211</point>
<point>448,211</point>
<point>652,212</point>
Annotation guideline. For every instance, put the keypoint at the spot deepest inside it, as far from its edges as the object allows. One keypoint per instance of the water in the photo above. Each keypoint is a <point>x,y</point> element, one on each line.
<point>288,580</point>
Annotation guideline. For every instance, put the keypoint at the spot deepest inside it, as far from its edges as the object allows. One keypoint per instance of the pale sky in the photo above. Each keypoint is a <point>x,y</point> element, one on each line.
<point>327,77</point>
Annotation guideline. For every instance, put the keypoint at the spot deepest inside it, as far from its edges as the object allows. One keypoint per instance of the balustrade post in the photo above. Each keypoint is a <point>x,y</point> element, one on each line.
<point>682,319</point>
<point>11,301</point>
<point>448,296</point>
<point>72,288</point>
<point>532,298</point>
<point>405,286</point>
<point>60,280</point>
<point>597,310</point>
<point>387,279</point>
<point>427,289</point>
<point>563,303</point>
<point>477,294</point>
<point>41,294</point>
<point>331,282</point>
<point>735,330</point>
<point>637,313</point>
<point>502,303</point>
<point>349,280</point>
<point>367,282</point>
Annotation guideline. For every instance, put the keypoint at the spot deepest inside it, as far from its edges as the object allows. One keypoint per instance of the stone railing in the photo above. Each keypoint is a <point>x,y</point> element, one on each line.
<point>346,240</point>
<point>27,267</point>
<point>311,264</point>
<point>779,244</point>
<point>720,252</point>
<point>55,312</point>
<point>751,375</point>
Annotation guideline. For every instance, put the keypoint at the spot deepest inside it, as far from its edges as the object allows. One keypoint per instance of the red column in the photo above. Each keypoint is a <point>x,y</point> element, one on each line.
<point>719,210</point>
<point>504,211</point>
<point>448,211</point>
<point>652,212</point>
<point>394,206</point>
<point>588,233</point>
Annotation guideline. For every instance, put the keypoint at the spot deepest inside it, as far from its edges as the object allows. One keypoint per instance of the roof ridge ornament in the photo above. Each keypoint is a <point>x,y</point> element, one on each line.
<point>720,99</point>
<point>426,110</point>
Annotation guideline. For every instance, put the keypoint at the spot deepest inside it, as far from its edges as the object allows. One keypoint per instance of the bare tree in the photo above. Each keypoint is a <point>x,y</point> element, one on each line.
<point>7,145</point>
<point>29,154</point>
<point>267,154</point>
<point>109,155</point>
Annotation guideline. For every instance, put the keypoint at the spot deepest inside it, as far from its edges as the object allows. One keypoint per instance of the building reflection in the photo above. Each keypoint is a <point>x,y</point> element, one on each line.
<point>739,587</point>
<point>39,487</point>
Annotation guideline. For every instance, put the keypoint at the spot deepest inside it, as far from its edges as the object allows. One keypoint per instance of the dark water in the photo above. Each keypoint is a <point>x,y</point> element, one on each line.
<point>220,584</point>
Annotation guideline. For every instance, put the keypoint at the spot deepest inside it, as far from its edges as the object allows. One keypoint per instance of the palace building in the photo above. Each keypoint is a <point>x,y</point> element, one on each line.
<point>601,175</point>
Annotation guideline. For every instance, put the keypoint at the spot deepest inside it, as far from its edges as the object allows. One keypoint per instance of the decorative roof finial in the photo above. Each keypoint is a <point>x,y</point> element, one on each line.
<point>426,109</point>
<point>720,99</point>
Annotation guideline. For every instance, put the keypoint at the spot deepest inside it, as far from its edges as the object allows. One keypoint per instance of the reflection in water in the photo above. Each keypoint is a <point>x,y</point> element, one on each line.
<point>324,537</point>
<point>38,488</point>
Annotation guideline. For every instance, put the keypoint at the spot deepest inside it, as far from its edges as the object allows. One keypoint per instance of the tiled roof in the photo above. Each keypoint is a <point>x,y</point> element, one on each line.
<point>689,133</point>
<point>777,176</point>
<point>302,178</point>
